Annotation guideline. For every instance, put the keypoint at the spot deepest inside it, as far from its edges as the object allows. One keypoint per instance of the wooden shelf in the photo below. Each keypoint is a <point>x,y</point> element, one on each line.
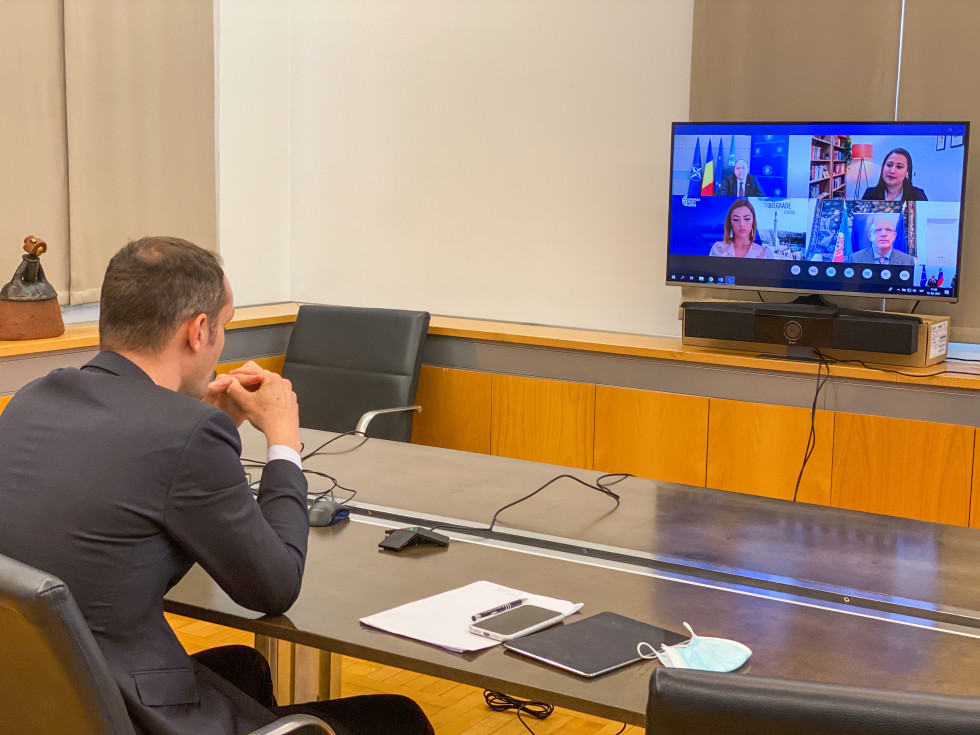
<point>966,376</point>
<point>671,348</point>
<point>86,336</point>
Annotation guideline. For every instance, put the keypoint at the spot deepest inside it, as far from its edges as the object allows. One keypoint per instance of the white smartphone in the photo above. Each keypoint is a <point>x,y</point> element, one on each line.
<point>516,622</point>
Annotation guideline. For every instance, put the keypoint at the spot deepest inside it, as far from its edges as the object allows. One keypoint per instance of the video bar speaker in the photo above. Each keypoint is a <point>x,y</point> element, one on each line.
<point>895,334</point>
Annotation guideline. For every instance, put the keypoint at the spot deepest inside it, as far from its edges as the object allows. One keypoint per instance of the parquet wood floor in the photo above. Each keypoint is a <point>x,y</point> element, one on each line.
<point>454,709</point>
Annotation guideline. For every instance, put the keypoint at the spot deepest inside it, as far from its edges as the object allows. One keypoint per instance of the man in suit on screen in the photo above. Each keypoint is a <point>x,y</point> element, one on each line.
<point>882,235</point>
<point>740,183</point>
<point>119,476</point>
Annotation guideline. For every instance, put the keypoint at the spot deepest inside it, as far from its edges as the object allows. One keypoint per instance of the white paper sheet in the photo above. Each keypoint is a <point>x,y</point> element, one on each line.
<point>444,619</point>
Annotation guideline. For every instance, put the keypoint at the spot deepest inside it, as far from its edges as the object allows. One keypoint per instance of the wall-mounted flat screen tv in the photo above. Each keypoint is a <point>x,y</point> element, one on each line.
<point>856,208</point>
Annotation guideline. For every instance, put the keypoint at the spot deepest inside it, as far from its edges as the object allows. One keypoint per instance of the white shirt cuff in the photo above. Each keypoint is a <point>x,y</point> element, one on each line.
<point>281,451</point>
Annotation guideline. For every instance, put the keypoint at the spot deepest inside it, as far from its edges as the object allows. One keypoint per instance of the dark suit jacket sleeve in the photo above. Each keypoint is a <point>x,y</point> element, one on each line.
<point>724,188</point>
<point>254,550</point>
<point>752,187</point>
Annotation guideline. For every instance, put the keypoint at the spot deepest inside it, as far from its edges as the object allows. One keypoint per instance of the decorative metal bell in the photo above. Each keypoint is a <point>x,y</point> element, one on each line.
<point>29,304</point>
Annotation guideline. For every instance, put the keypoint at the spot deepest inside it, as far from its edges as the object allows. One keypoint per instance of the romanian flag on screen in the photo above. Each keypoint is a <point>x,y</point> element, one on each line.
<point>708,178</point>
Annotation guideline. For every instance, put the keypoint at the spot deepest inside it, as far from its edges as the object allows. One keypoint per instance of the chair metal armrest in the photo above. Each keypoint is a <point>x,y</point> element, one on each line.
<point>363,422</point>
<point>292,723</point>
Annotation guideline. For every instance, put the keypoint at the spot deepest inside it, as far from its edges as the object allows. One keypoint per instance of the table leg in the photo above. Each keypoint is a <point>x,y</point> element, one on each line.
<point>300,673</point>
<point>317,674</point>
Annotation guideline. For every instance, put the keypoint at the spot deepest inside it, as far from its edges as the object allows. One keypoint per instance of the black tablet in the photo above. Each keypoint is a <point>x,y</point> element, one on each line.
<point>595,645</point>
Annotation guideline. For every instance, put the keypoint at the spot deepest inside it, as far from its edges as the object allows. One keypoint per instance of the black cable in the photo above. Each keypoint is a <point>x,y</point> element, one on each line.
<point>599,485</point>
<point>760,297</point>
<point>962,359</point>
<point>914,307</point>
<point>827,361</point>
<point>499,702</point>
<point>862,363</point>
<point>252,484</point>
<point>333,439</point>
<point>811,442</point>
<point>329,491</point>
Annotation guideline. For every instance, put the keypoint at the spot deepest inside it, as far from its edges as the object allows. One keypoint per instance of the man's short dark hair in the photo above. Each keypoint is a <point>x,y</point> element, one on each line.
<point>152,286</point>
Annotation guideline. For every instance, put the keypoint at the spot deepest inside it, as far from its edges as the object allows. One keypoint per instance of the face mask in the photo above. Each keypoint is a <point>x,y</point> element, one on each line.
<point>706,654</point>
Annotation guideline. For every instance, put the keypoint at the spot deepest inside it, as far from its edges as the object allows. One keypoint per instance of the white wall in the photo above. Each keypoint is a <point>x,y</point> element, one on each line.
<point>252,86</point>
<point>502,159</point>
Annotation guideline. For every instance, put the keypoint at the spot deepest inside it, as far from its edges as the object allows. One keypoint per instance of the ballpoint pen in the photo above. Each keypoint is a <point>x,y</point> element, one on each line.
<point>500,609</point>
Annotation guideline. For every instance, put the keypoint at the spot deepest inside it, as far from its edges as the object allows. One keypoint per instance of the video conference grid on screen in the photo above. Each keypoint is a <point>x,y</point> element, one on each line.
<point>835,207</point>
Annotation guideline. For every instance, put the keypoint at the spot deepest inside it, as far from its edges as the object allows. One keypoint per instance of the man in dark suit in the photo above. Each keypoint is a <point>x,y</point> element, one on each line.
<point>882,235</point>
<point>740,183</point>
<point>118,476</point>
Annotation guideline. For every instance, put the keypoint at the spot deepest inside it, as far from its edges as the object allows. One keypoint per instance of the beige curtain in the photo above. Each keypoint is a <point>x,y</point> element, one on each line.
<point>940,61</point>
<point>795,60</point>
<point>838,60</point>
<point>33,185</point>
<point>140,121</point>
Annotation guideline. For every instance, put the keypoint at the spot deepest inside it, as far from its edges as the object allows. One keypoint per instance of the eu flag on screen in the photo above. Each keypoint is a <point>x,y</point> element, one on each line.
<point>708,180</point>
<point>718,166</point>
<point>694,188</point>
<point>922,281</point>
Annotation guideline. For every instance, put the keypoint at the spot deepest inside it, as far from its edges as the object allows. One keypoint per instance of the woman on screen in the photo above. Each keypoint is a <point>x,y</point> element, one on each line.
<point>740,229</point>
<point>895,180</point>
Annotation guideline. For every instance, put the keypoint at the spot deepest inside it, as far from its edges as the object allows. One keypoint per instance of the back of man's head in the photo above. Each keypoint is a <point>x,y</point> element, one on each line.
<point>151,287</point>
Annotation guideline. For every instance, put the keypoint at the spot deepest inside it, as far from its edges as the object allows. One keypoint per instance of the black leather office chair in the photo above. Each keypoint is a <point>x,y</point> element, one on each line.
<point>55,679</point>
<point>352,365</point>
<point>701,702</point>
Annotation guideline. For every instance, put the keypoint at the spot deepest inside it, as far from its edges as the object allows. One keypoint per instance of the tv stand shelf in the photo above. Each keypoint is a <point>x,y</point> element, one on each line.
<point>672,349</point>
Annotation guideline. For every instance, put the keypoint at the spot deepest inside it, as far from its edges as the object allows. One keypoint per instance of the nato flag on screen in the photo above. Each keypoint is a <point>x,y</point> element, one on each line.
<point>718,165</point>
<point>694,188</point>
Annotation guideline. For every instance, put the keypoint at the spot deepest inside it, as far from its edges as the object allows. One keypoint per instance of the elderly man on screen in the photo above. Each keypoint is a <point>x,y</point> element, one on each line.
<point>740,183</point>
<point>882,236</point>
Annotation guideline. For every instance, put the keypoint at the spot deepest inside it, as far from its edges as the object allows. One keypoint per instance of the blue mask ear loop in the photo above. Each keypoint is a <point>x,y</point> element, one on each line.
<point>654,653</point>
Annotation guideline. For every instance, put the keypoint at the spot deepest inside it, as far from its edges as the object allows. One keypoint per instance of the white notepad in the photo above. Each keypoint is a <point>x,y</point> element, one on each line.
<point>444,619</point>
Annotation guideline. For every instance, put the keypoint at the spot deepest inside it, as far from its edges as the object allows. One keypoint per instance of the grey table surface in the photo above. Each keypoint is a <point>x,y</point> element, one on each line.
<point>770,574</point>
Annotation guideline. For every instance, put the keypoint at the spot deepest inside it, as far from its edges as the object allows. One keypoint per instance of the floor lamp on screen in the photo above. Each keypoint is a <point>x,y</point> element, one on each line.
<point>861,152</point>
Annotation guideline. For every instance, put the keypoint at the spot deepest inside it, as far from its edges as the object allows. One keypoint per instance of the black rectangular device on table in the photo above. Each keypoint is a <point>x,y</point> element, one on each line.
<point>595,645</point>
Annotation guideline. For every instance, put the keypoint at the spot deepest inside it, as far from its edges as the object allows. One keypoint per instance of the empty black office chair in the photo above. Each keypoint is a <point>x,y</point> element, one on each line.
<point>55,679</point>
<point>352,365</point>
<point>689,702</point>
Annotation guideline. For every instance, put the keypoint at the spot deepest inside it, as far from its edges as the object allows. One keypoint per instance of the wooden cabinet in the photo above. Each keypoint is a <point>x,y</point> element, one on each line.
<point>661,436</point>
<point>542,420</point>
<point>455,409</point>
<point>912,469</point>
<point>975,487</point>
<point>758,449</point>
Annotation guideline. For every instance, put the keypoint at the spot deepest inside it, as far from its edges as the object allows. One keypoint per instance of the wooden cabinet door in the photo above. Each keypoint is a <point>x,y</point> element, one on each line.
<point>455,409</point>
<point>758,448</point>
<point>900,467</point>
<point>542,420</point>
<point>662,436</point>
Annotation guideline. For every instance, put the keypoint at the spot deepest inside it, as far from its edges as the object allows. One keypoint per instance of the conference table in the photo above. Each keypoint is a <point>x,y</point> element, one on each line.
<point>816,593</point>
